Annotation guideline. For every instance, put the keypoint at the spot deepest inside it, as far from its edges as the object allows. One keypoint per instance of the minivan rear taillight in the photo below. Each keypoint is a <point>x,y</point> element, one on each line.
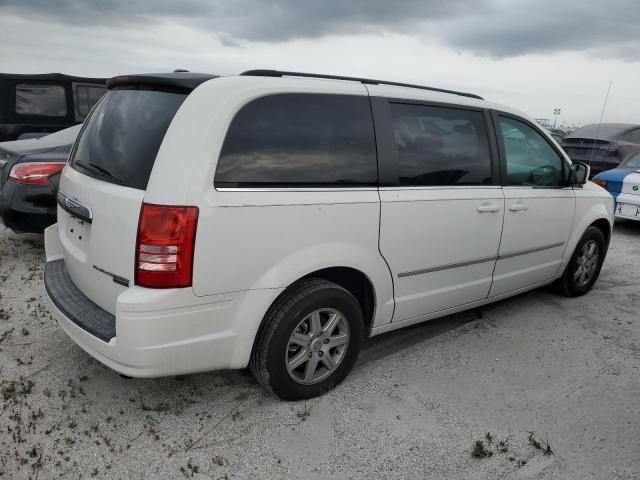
<point>34,173</point>
<point>164,249</point>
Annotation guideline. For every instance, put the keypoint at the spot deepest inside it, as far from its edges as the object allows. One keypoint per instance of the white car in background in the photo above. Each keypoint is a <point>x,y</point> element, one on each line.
<point>276,219</point>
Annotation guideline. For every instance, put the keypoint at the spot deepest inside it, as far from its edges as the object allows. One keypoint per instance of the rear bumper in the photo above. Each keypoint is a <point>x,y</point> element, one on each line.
<point>74,305</point>
<point>134,357</point>
<point>629,200</point>
<point>157,333</point>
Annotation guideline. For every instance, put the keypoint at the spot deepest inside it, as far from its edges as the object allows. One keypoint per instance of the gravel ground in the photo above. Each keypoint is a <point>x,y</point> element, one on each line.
<point>548,386</point>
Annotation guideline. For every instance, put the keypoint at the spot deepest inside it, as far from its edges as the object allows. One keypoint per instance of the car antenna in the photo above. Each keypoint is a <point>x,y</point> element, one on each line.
<point>593,147</point>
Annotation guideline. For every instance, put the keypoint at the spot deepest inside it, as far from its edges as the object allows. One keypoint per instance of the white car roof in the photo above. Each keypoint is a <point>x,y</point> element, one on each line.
<point>374,90</point>
<point>392,91</point>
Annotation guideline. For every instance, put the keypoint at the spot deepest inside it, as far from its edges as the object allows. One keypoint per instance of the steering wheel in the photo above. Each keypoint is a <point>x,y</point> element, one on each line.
<point>543,176</point>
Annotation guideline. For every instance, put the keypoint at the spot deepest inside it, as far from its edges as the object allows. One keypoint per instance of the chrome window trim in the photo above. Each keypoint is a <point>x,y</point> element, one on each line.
<point>476,261</point>
<point>532,187</point>
<point>296,189</point>
<point>441,187</point>
<point>351,189</point>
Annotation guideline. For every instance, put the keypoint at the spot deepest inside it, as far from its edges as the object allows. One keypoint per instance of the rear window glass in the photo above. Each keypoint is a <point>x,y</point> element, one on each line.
<point>633,162</point>
<point>122,136</point>
<point>634,136</point>
<point>45,100</point>
<point>300,140</point>
<point>86,96</point>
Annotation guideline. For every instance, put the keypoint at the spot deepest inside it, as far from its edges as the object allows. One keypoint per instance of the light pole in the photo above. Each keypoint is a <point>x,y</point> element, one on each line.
<point>556,112</point>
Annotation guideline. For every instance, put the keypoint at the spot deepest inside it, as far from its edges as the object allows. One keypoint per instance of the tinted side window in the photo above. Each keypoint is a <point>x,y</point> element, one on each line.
<point>440,146</point>
<point>530,159</point>
<point>47,100</point>
<point>300,139</point>
<point>86,96</point>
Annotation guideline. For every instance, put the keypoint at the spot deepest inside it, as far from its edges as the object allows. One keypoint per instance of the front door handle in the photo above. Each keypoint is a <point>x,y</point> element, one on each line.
<point>488,207</point>
<point>519,206</point>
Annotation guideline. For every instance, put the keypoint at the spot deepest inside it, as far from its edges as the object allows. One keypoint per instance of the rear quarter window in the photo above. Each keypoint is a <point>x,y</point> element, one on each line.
<point>300,140</point>
<point>123,134</point>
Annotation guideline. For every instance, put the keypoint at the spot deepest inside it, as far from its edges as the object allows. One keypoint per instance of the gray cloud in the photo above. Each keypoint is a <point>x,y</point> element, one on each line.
<point>612,28</point>
<point>257,20</point>
<point>283,20</point>
<point>496,28</point>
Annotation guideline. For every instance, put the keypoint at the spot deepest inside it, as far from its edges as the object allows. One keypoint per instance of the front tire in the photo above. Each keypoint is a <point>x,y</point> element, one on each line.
<point>586,262</point>
<point>309,341</point>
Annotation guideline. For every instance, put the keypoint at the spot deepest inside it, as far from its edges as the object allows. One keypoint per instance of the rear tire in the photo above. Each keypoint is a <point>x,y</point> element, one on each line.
<point>584,267</point>
<point>309,341</point>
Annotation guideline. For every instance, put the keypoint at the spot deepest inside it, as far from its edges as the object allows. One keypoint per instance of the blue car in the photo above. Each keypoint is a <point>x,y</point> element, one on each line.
<point>623,183</point>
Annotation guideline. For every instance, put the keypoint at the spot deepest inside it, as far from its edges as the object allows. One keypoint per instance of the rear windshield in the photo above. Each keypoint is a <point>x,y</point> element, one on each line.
<point>122,136</point>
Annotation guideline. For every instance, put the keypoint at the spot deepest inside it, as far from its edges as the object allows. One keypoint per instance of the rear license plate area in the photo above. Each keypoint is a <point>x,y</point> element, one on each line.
<point>628,210</point>
<point>77,230</point>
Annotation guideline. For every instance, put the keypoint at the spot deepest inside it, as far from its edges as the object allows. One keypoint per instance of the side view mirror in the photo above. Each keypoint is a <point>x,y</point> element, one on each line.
<point>579,174</point>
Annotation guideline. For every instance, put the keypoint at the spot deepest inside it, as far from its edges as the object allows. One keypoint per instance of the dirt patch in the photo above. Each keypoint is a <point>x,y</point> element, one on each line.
<point>416,405</point>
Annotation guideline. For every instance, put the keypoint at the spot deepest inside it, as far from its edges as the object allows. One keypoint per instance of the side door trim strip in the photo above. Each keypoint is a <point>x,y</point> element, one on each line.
<point>476,261</point>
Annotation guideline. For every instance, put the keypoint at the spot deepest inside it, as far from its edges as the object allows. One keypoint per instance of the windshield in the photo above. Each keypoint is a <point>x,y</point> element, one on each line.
<point>123,134</point>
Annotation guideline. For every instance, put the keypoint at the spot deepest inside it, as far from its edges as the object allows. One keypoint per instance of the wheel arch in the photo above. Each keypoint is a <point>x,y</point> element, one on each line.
<point>354,280</point>
<point>604,226</point>
<point>589,213</point>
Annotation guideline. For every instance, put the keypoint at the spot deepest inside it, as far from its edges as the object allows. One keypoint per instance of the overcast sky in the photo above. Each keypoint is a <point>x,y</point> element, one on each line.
<point>535,55</point>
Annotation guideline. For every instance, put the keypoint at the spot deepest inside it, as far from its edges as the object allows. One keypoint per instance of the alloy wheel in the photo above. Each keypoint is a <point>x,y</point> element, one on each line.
<point>587,263</point>
<point>317,346</point>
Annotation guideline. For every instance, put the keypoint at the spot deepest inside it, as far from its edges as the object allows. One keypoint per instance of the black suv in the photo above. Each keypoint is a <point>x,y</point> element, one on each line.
<point>35,105</point>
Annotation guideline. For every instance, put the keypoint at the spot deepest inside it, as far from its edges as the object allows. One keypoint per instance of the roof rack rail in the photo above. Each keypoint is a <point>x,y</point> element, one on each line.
<point>368,81</point>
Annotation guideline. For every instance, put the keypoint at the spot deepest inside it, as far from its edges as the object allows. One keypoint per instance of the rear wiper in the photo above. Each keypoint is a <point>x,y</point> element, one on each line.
<point>99,170</point>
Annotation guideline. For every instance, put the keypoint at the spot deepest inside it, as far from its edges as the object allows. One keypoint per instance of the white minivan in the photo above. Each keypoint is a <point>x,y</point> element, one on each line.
<point>277,219</point>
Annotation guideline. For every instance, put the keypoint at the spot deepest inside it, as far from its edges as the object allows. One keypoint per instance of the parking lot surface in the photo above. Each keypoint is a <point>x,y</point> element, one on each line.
<point>537,386</point>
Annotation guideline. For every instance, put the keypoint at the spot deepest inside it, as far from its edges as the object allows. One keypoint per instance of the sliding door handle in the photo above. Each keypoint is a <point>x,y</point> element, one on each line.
<point>519,207</point>
<point>488,207</point>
